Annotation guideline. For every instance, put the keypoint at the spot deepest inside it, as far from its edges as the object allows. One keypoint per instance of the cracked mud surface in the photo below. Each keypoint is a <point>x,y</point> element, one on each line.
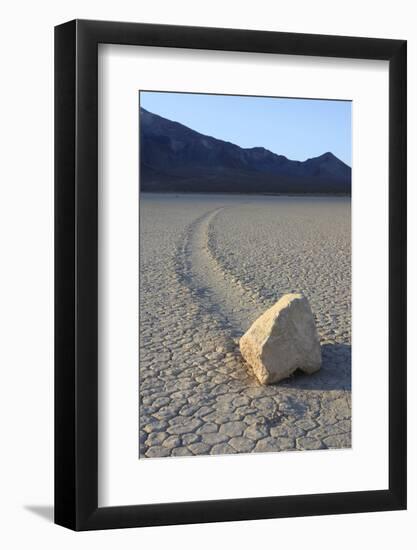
<point>209,266</point>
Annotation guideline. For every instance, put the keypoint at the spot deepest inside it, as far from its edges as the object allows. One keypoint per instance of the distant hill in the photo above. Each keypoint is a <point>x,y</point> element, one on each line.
<point>176,158</point>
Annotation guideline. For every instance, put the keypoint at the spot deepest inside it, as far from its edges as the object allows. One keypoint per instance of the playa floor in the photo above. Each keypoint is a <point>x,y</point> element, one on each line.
<point>209,266</point>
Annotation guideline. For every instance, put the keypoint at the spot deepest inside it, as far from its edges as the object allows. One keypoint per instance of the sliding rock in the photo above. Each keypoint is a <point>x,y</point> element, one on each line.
<point>282,340</point>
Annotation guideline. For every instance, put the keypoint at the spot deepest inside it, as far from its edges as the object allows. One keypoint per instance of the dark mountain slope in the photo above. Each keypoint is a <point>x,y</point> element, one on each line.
<point>176,158</point>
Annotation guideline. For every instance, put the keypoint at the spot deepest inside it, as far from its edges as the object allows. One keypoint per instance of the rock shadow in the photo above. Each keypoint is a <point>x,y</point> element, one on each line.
<point>335,372</point>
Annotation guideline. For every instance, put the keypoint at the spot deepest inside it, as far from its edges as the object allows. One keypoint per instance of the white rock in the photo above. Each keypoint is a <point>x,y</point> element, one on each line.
<point>282,340</point>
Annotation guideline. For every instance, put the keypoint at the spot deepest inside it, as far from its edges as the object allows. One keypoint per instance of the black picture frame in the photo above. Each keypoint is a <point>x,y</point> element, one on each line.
<point>76,273</point>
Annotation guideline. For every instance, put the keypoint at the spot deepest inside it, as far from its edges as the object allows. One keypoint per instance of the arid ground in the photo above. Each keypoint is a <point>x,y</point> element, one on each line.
<point>209,266</point>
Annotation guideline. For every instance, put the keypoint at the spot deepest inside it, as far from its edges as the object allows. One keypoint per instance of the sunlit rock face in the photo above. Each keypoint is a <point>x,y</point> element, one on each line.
<point>282,340</point>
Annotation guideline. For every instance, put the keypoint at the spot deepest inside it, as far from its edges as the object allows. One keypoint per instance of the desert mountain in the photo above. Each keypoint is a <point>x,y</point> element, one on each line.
<point>177,158</point>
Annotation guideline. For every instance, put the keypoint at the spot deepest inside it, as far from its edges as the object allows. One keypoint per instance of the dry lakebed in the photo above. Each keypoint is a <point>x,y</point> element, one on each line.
<point>210,265</point>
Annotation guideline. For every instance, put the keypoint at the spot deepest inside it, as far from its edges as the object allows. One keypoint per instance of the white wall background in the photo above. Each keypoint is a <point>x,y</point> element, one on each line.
<point>26,289</point>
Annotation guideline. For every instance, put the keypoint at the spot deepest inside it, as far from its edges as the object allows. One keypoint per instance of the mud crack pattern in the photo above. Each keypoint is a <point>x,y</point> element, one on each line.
<point>210,265</point>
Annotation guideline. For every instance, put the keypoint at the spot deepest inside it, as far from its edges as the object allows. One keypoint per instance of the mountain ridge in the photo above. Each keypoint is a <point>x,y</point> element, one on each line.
<point>177,158</point>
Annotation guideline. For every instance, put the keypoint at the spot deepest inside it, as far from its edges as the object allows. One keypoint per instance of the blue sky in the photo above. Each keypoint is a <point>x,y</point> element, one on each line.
<point>296,128</point>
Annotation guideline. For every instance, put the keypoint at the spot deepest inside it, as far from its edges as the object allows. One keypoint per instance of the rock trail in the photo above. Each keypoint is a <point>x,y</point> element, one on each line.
<point>212,285</point>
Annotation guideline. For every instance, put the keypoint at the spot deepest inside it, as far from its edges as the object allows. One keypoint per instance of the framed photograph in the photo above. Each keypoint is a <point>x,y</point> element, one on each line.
<point>230,252</point>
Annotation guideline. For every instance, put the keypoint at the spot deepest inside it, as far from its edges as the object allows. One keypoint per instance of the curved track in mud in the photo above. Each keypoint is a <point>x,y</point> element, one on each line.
<point>216,289</point>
